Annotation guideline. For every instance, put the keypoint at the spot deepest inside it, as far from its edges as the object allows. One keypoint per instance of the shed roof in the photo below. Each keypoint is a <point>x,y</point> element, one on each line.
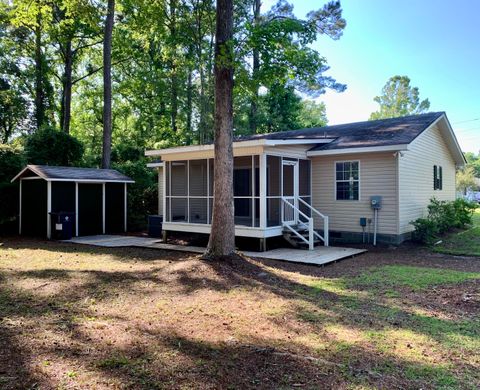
<point>53,173</point>
<point>382,132</point>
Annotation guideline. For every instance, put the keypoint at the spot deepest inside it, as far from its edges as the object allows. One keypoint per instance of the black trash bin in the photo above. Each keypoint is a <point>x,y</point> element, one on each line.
<point>62,225</point>
<point>155,225</point>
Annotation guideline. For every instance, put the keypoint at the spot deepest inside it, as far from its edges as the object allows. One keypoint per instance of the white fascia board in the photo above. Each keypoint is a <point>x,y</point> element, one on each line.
<point>179,149</point>
<point>237,144</point>
<point>155,165</point>
<point>455,141</point>
<point>92,181</point>
<point>460,158</point>
<point>369,149</point>
<point>30,168</point>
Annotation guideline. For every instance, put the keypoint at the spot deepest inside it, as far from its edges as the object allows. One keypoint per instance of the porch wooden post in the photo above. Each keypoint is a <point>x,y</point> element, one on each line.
<point>20,209</point>
<point>263,191</point>
<point>76,208</point>
<point>103,208</point>
<point>49,209</point>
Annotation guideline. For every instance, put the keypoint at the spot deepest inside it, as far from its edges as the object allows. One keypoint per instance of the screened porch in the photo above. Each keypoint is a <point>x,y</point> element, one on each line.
<point>264,185</point>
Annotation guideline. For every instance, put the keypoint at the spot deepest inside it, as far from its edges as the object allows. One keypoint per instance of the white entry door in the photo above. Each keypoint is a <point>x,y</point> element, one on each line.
<point>290,192</point>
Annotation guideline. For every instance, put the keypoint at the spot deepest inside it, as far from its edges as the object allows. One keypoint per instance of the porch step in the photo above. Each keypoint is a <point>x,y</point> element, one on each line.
<point>296,241</point>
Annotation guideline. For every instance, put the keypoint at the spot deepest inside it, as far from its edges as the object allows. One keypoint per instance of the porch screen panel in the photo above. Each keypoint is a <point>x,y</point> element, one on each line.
<point>256,191</point>
<point>167,178</point>
<point>177,191</point>
<point>274,166</point>
<point>198,177</point>
<point>179,183</point>
<point>179,209</point>
<point>243,190</point>
<point>190,185</point>
<point>198,210</point>
<point>198,191</point>
<point>304,186</point>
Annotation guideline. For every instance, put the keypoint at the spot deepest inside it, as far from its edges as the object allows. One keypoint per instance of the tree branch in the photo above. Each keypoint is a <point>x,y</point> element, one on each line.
<point>93,71</point>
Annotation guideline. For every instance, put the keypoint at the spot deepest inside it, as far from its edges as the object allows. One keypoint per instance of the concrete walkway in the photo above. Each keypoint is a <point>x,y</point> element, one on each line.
<point>319,256</point>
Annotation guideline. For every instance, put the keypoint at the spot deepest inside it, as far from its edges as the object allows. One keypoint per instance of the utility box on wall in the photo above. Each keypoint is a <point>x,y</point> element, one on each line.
<point>376,202</point>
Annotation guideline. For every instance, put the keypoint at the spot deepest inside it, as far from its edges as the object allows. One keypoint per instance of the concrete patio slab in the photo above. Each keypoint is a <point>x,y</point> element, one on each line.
<point>319,256</point>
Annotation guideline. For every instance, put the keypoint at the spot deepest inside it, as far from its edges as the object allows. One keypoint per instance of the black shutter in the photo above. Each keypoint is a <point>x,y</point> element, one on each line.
<point>435,181</point>
<point>440,178</point>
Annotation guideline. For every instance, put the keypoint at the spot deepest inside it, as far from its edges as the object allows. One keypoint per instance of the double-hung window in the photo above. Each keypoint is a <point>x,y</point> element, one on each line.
<point>347,180</point>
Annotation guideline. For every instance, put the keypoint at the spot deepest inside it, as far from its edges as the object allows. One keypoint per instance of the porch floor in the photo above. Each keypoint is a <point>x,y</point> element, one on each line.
<point>319,256</point>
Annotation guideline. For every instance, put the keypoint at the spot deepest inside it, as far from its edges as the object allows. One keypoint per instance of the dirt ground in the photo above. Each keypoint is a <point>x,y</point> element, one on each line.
<point>79,317</point>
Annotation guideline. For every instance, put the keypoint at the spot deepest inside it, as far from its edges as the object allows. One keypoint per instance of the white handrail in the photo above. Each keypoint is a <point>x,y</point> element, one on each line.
<point>312,208</point>
<point>294,207</point>
<point>309,224</point>
<point>326,234</point>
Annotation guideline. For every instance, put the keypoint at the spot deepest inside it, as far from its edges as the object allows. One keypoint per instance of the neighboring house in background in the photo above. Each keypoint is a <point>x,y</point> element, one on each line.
<point>320,178</point>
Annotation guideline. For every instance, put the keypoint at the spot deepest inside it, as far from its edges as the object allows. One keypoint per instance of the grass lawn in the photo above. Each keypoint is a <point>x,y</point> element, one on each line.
<point>466,242</point>
<point>79,317</point>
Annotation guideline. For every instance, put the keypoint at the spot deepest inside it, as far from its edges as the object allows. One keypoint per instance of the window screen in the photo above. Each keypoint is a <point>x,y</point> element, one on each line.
<point>347,177</point>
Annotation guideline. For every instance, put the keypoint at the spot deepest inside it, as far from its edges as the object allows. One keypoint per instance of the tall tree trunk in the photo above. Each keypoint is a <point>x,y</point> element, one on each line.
<point>39,76</point>
<point>67,88</point>
<point>107,85</point>
<point>174,100</point>
<point>173,67</point>
<point>222,236</point>
<point>189,99</point>
<point>255,68</point>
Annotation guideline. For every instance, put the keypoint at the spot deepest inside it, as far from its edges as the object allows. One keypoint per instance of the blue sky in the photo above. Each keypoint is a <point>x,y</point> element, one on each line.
<point>435,43</point>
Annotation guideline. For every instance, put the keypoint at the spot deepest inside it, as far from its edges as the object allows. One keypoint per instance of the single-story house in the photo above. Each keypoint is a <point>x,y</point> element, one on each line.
<point>321,183</point>
<point>95,200</point>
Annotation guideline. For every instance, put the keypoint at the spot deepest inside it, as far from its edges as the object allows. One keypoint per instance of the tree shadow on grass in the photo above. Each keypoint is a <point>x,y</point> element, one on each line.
<point>225,363</point>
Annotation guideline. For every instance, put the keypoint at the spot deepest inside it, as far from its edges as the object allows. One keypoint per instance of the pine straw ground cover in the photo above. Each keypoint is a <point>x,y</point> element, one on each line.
<point>90,318</point>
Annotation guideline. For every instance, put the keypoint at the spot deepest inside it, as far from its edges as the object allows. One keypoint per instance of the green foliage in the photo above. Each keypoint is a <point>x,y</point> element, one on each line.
<point>282,106</point>
<point>142,195</point>
<point>426,230</point>
<point>312,114</point>
<point>163,84</point>
<point>442,217</point>
<point>52,147</point>
<point>473,160</point>
<point>463,211</point>
<point>466,242</point>
<point>12,109</point>
<point>465,179</point>
<point>11,162</point>
<point>398,98</point>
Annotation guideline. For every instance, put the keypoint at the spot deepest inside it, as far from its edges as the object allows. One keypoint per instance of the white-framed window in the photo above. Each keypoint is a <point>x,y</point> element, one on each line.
<point>347,180</point>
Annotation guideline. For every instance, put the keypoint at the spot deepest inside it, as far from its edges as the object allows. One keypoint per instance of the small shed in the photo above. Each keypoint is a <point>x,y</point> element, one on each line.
<point>97,198</point>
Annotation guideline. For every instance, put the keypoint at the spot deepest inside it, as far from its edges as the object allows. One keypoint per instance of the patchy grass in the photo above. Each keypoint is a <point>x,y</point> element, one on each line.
<point>465,242</point>
<point>81,317</point>
<point>415,278</point>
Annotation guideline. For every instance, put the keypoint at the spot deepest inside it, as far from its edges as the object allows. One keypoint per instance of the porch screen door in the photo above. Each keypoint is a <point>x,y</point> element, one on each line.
<point>290,191</point>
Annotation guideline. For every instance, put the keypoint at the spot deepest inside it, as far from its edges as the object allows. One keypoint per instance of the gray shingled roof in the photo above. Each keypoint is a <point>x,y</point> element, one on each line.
<point>382,132</point>
<point>78,174</point>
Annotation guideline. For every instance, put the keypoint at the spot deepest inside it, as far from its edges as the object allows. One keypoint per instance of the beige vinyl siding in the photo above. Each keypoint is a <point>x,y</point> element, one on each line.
<point>160,191</point>
<point>416,176</point>
<point>378,176</point>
